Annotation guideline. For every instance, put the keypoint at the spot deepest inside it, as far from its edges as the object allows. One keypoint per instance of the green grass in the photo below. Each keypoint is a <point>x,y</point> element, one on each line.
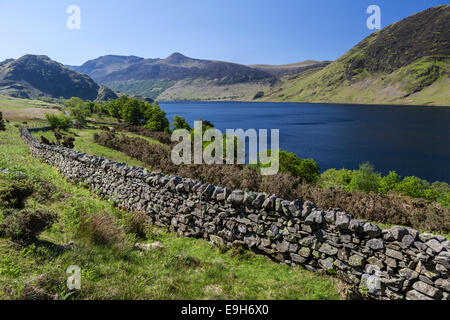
<point>10,103</point>
<point>84,142</point>
<point>182,269</point>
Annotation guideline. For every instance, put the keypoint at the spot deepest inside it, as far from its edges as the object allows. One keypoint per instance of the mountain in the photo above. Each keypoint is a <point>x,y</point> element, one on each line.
<point>178,77</point>
<point>33,76</point>
<point>102,66</point>
<point>405,63</point>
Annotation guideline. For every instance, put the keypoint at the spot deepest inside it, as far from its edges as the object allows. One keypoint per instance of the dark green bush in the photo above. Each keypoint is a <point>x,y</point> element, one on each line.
<point>13,195</point>
<point>25,225</point>
<point>2,123</point>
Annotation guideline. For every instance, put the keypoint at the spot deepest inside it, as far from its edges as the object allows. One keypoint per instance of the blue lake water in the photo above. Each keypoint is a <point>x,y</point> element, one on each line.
<point>410,140</point>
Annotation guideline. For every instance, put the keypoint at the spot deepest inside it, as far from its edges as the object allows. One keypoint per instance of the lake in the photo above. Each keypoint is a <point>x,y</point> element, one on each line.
<point>408,139</point>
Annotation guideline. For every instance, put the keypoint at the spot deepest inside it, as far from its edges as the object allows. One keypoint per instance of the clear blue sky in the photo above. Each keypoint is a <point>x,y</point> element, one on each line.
<point>242,31</point>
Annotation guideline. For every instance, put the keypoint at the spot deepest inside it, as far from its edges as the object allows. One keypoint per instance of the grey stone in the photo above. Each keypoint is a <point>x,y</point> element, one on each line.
<point>371,283</point>
<point>217,240</point>
<point>392,295</point>
<point>390,262</point>
<point>435,245</point>
<point>269,203</point>
<point>413,232</point>
<point>398,232</point>
<point>375,244</point>
<point>444,259</point>
<point>295,208</point>
<point>236,197</point>
<point>430,291</point>
<point>426,280</point>
<point>372,230</point>
<point>407,241</point>
<point>298,258</point>
<point>342,221</point>
<point>326,264</point>
<point>259,200</point>
<point>356,261</point>
<point>283,246</point>
<point>443,284</point>
<point>251,241</point>
<point>356,226</point>
<point>394,254</point>
<point>408,274</point>
<point>315,218</point>
<point>330,216</point>
<point>442,269</point>
<point>307,208</point>
<point>249,197</point>
<point>242,228</point>
<point>305,252</point>
<point>329,250</point>
<point>387,235</point>
<point>415,295</point>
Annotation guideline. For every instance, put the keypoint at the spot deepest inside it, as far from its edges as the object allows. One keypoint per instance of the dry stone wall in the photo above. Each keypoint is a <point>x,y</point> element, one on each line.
<point>399,263</point>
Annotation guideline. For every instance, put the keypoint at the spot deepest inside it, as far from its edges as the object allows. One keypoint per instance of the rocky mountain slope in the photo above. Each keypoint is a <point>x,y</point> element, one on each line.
<point>404,63</point>
<point>32,76</point>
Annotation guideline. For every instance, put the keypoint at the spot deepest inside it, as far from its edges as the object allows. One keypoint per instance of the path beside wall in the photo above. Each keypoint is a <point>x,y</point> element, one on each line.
<point>398,263</point>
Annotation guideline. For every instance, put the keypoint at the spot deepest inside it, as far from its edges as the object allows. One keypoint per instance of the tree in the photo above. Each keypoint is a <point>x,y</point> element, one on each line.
<point>132,112</point>
<point>411,186</point>
<point>113,107</point>
<point>365,179</point>
<point>157,120</point>
<point>57,121</point>
<point>180,123</point>
<point>389,182</point>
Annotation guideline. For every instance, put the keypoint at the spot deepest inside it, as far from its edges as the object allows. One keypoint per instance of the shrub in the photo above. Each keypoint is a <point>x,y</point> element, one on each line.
<point>26,225</point>
<point>162,137</point>
<point>305,169</point>
<point>137,224</point>
<point>388,208</point>
<point>57,121</point>
<point>101,229</point>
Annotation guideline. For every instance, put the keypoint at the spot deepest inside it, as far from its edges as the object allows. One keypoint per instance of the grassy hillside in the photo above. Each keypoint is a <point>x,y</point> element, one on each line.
<point>405,63</point>
<point>95,235</point>
<point>200,89</point>
<point>17,109</point>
